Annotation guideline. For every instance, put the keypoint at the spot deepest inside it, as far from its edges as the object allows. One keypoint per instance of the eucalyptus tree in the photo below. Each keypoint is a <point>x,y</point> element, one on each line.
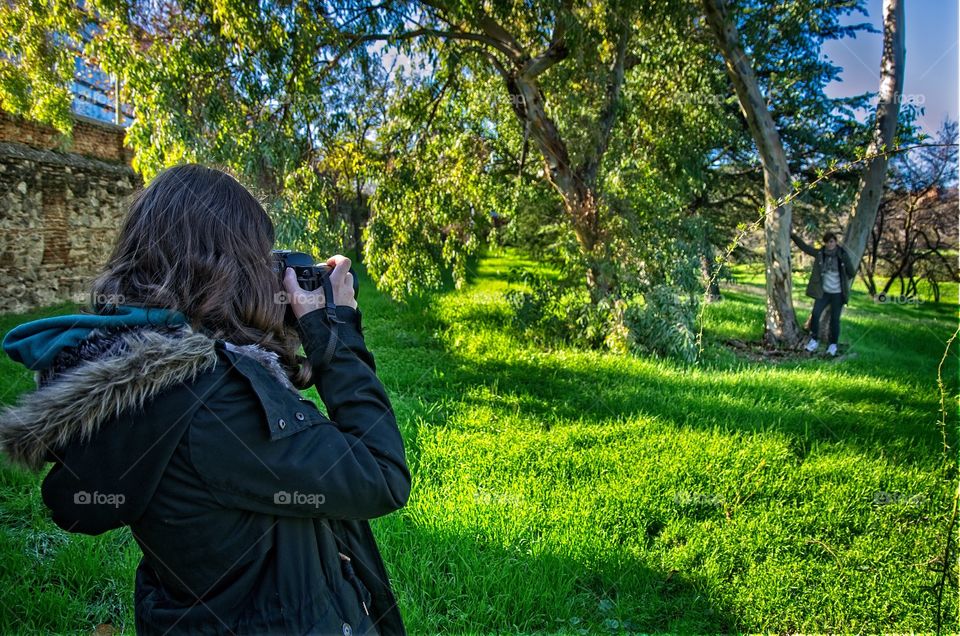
<point>781,327</point>
<point>874,174</point>
<point>563,71</point>
<point>602,132</point>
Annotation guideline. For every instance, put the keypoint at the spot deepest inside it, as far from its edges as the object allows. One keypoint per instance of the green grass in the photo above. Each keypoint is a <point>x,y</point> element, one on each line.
<point>559,490</point>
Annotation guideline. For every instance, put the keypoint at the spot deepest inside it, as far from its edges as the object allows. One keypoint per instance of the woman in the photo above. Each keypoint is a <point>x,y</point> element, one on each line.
<point>829,285</point>
<point>173,408</point>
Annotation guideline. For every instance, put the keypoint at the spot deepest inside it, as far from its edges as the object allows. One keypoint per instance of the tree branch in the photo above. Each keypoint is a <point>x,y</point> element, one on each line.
<point>608,116</point>
<point>556,51</point>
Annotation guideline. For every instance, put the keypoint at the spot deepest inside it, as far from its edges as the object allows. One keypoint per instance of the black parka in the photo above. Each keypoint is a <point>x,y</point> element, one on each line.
<point>249,504</point>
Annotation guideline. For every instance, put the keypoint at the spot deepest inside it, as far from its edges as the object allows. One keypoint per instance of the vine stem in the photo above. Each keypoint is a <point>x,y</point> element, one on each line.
<point>943,391</point>
<point>946,561</point>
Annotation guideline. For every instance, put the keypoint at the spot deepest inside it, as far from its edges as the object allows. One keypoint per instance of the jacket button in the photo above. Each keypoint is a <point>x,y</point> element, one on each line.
<point>299,416</point>
<point>281,423</point>
<point>347,630</point>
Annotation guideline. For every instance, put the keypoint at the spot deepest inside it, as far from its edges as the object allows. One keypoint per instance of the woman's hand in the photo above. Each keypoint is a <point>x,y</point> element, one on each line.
<point>303,301</point>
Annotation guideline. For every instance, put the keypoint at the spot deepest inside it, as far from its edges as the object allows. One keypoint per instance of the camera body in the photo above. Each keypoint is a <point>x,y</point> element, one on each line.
<point>310,275</point>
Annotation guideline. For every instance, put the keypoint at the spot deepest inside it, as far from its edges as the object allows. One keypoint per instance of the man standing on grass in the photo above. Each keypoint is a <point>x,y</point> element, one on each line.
<point>829,285</point>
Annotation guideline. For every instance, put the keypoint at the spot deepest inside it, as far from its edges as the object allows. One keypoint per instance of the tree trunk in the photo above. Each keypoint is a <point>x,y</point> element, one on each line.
<point>888,109</point>
<point>864,215</point>
<point>781,327</point>
<point>823,335</point>
<point>578,190</point>
<point>577,185</point>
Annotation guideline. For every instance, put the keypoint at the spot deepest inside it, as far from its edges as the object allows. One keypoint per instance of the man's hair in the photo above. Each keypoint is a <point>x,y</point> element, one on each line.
<point>196,241</point>
<point>828,236</point>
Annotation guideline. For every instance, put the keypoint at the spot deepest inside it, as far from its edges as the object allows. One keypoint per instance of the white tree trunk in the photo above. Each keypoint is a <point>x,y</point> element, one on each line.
<point>781,327</point>
<point>874,174</point>
<point>888,108</point>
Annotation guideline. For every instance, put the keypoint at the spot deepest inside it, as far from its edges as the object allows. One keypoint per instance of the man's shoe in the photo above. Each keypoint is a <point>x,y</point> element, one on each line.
<point>832,350</point>
<point>812,345</point>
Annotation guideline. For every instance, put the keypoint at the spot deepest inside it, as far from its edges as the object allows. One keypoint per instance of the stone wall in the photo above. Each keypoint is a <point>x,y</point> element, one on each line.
<point>60,208</point>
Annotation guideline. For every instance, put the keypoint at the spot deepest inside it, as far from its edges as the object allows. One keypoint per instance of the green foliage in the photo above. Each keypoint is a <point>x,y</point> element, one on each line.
<point>433,205</point>
<point>552,314</point>
<point>223,82</point>
<point>36,60</point>
<point>656,314</point>
<point>664,325</point>
<point>304,216</point>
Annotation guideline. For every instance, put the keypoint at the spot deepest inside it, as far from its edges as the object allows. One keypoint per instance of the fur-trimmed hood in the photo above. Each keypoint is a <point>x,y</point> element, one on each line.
<point>138,365</point>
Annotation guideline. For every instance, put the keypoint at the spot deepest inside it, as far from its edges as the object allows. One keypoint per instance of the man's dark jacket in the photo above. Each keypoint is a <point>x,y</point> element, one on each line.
<point>845,268</point>
<point>249,504</point>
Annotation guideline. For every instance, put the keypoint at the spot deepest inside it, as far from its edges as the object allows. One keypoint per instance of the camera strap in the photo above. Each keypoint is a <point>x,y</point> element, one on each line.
<point>331,310</point>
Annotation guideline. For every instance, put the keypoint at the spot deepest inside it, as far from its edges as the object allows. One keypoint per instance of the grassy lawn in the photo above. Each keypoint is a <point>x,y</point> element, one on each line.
<point>559,490</point>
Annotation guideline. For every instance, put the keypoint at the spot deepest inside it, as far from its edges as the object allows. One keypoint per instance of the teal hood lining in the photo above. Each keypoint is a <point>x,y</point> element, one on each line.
<point>35,344</point>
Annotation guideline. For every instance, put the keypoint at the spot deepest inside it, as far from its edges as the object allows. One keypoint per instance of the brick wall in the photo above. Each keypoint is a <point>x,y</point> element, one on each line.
<point>61,205</point>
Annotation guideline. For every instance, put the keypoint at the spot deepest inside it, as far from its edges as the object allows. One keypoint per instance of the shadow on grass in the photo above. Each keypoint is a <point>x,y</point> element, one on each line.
<point>548,392</point>
<point>455,580</point>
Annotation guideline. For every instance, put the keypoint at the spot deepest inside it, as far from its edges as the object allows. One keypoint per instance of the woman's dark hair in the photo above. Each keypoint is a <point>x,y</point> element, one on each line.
<point>198,242</point>
<point>828,236</point>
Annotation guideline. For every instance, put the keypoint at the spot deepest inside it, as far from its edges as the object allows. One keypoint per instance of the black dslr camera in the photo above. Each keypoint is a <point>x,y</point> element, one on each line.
<point>310,275</point>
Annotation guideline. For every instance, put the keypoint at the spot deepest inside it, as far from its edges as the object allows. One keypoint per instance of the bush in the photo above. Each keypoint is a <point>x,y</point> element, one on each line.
<point>665,324</point>
<point>548,312</point>
<point>660,323</point>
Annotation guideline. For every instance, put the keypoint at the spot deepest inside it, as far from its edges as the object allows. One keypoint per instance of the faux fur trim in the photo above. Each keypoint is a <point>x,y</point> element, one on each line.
<point>78,401</point>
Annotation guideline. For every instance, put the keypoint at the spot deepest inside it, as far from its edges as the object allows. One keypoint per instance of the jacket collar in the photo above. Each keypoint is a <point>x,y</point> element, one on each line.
<point>74,404</point>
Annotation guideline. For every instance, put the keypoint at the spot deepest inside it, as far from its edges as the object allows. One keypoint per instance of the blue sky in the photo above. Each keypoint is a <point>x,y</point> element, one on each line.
<point>931,78</point>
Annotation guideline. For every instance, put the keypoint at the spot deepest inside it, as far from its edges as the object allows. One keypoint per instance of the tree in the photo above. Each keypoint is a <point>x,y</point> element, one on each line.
<point>864,214</point>
<point>780,324</point>
<point>597,135</point>
<point>521,45</point>
<point>915,236</point>
<point>888,107</point>
<point>781,327</point>
<point>784,41</point>
<point>250,88</point>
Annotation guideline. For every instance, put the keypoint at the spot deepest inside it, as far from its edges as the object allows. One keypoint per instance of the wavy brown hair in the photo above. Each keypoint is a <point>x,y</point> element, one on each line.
<point>196,241</point>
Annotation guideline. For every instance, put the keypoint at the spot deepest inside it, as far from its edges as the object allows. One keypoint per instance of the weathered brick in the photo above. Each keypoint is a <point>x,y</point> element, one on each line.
<point>61,206</point>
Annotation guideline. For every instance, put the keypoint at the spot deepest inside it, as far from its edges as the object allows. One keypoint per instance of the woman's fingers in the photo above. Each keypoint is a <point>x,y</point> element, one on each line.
<point>342,280</point>
<point>341,265</point>
<point>301,300</point>
<point>290,281</point>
